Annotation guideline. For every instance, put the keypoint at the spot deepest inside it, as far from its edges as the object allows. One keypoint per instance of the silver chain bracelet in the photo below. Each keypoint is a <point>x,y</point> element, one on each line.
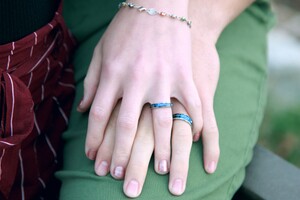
<point>152,11</point>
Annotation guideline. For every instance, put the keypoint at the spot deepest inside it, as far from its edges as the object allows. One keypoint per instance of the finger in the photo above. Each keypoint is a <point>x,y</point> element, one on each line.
<point>192,103</point>
<point>102,107</point>
<point>210,139</point>
<point>105,151</point>
<point>181,147</point>
<point>125,132</point>
<point>140,156</point>
<point>162,123</point>
<point>91,80</point>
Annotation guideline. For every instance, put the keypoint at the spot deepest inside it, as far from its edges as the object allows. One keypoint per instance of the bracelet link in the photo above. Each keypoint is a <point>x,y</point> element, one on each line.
<point>152,11</point>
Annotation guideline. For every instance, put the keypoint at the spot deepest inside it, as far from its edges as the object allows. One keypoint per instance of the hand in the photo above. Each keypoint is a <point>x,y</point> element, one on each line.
<point>142,150</point>
<point>206,73</point>
<point>141,59</point>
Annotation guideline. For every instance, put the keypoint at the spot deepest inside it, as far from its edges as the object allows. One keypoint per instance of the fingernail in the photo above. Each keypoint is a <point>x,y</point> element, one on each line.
<point>211,167</point>
<point>162,167</point>
<point>132,188</point>
<point>80,104</point>
<point>177,187</point>
<point>102,168</point>
<point>119,172</point>
<point>91,154</point>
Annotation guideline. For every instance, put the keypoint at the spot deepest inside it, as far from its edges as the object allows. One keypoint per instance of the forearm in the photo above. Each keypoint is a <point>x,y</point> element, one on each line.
<point>211,17</point>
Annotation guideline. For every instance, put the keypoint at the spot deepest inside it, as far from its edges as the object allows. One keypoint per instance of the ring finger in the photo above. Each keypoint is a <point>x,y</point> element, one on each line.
<point>181,147</point>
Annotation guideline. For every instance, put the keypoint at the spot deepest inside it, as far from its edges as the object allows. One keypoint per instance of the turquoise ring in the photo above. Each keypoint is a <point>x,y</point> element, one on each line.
<point>183,117</point>
<point>161,105</point>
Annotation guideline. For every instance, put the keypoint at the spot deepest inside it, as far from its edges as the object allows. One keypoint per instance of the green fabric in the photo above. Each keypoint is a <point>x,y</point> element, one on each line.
<point>239,105</point>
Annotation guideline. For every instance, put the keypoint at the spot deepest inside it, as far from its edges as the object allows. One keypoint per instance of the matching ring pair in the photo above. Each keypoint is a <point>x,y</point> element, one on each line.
<point>176,116</point>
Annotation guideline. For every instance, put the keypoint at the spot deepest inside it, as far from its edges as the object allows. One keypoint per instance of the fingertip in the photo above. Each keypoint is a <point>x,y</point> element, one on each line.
<point>211,167</point>
<point>196,137</point>
<point>117,172</point>
<point>162,167</point>
<point>80,106</point>
<point>91,154</point>
<point>102,168</point>
<point>177,187</point>
<point>132,189</point>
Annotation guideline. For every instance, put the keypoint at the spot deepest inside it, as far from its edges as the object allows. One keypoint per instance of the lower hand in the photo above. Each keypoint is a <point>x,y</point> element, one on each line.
<point>142,150</point>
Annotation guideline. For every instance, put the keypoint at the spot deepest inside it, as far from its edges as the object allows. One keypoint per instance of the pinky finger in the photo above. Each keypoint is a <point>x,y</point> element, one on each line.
<point>210,140</point>
<point>91,80</point>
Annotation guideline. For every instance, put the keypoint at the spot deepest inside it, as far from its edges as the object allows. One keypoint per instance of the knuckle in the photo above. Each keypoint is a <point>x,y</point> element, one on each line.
<point>98,114</point>
<point>126,122</point>
<point>110,69</point>
<point>164,120</point>
<point>137,73</point>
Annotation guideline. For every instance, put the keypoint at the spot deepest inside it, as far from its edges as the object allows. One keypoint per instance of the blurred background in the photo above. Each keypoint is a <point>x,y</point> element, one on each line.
<point>280,131</point>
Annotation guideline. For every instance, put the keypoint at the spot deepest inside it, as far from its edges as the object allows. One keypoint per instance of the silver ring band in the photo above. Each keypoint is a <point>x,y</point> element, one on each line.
<point>183,117</point>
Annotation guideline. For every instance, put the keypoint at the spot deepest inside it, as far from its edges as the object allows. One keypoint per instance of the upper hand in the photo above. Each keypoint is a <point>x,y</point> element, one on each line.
<point>141,59</point>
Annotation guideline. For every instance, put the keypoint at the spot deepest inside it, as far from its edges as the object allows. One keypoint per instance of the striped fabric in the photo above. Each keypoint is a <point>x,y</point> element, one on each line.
<point>37,90</point>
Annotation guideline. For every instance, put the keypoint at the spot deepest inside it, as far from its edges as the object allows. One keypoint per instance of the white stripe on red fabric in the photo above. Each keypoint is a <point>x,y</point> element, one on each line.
<point>42,93</point>
<point>12,106</point>
<point>51,26</point>
<point>13,48</point>
<point>37,126</point>
<point>42,182</point>
<point>48,70</point>
<point>67,85</point>
<point>22,175</point>
<point>66,47</point>
<point>31,51</point>
<point>61,110</point>
<point>51,148</point>
<point>7,143</point>
<point>8,62</point>
<point>45,79</point>
<point>60,64</point>
<point>45,54</point>
<point>47,139</point>
<point>30,79</point>
<point>69,70</point>
<point>35,38</point>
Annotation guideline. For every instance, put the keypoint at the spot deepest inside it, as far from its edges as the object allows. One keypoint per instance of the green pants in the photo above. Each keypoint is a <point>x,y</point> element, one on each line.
<point>239,106</point>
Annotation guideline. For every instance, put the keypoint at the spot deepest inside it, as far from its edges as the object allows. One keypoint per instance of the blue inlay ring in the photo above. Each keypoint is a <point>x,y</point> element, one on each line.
<point>161,105</point>
<point>183,117</point>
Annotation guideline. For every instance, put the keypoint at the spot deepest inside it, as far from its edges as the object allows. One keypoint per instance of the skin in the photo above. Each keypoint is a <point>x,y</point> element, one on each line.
<point>122,135</point>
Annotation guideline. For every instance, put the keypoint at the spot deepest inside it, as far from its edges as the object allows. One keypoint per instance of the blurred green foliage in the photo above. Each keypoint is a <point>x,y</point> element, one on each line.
<point>280,131</point>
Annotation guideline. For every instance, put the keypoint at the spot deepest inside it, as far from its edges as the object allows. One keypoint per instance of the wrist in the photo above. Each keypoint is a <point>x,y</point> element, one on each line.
<point>210,17</point>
